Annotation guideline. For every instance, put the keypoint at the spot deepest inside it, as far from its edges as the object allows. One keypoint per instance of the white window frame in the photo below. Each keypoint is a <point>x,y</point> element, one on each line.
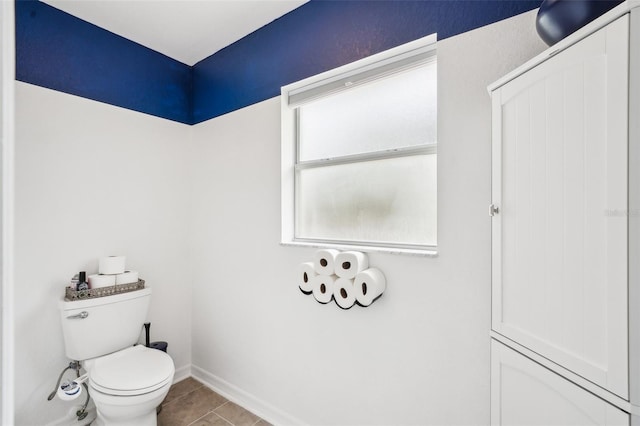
<point>371,67</point>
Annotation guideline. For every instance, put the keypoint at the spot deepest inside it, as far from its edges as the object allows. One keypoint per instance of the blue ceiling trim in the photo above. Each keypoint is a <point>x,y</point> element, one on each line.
<point>64,53</point>
<point>61,52</point>
<point>324,34</point>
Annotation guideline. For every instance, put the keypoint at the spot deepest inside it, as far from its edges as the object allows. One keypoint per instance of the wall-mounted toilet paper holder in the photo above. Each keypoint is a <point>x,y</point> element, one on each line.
<point>344,277</point>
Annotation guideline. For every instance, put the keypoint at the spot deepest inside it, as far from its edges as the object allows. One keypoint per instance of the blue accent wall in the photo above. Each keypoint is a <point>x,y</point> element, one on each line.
<point>61,52</point>
<point>324,34</point>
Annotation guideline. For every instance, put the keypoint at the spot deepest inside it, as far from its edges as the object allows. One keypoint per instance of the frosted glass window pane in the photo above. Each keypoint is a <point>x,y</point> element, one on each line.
<point>391,200</point>
<point>393,112</point>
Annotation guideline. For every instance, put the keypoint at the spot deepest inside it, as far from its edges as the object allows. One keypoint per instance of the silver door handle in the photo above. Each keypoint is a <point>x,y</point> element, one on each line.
<point>81,315</point>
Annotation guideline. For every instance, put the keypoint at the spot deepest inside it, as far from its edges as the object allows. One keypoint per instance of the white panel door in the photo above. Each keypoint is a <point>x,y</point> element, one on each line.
<point>526,393</point>
<point>559,241</point>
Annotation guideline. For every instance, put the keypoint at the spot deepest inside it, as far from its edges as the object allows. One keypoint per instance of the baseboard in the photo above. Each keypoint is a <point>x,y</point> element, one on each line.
<point>182,373</point>
<point>233,393</point>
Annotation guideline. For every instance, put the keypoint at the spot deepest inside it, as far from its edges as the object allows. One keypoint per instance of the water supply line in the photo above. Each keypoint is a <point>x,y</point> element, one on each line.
<point>73,365</point>
<point>82,412</point>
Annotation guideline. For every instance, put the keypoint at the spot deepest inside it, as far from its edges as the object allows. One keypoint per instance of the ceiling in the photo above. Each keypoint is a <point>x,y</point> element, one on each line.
<point>185,30</point>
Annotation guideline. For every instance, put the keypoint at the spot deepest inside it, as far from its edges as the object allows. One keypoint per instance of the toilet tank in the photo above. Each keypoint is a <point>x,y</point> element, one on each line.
<point>99,326</point>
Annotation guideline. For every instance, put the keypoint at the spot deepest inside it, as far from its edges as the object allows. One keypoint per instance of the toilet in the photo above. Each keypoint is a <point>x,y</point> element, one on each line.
<point>126,382</point>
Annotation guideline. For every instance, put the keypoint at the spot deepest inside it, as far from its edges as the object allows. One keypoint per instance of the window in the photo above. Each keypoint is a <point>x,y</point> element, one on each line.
<point>359,148</point>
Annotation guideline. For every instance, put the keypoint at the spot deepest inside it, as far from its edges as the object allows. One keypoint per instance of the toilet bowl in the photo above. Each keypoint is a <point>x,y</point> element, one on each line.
<point>126,382</point>
<point>128,385</point>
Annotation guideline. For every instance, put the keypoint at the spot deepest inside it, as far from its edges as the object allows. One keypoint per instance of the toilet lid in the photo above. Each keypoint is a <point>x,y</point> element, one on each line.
<point>132,371</point>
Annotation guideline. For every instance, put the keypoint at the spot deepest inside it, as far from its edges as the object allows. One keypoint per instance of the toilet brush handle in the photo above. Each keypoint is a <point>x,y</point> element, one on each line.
<point>147,326</point>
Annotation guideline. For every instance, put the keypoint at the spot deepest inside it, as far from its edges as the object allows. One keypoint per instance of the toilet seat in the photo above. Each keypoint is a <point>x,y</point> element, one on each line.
<point>133,371</point>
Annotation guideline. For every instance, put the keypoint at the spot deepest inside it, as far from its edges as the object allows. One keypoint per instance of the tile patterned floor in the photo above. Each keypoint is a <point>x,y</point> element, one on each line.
<point>190,403</point>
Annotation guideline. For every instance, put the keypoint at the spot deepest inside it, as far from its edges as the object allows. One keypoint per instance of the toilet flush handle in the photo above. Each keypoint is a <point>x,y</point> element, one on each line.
<point>81,315</point>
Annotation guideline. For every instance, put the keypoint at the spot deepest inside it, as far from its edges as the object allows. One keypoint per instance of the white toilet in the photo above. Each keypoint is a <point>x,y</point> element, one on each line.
<point>126,382</point>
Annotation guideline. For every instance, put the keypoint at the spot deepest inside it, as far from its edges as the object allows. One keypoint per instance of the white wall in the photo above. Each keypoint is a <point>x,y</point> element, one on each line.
<point>202,203</point>
<point>93,180</point>
<point>7,77</point>
<point>420,354</point>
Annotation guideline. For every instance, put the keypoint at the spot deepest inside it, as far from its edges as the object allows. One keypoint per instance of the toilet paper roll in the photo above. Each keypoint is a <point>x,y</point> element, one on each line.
<point>343,293</point>
<point>322,287</point>
<point>111,265</point>
<point>98,281</point>
<point>306,273</point>
<point>369,285</point>
<point>127,277</point>
<point>69,391</point>
<point>349,263</point>
<point>324,261</point>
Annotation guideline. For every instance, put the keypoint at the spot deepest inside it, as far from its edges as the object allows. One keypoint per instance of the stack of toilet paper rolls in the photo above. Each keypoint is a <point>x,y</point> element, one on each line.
<point>112,271</point>
<point>341,276</point>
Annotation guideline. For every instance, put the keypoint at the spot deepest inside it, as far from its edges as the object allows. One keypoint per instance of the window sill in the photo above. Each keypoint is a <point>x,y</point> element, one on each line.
<point>431,252</point>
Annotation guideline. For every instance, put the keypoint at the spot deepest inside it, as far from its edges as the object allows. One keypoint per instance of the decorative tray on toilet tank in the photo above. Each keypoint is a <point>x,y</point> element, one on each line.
<point>71,294</point>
